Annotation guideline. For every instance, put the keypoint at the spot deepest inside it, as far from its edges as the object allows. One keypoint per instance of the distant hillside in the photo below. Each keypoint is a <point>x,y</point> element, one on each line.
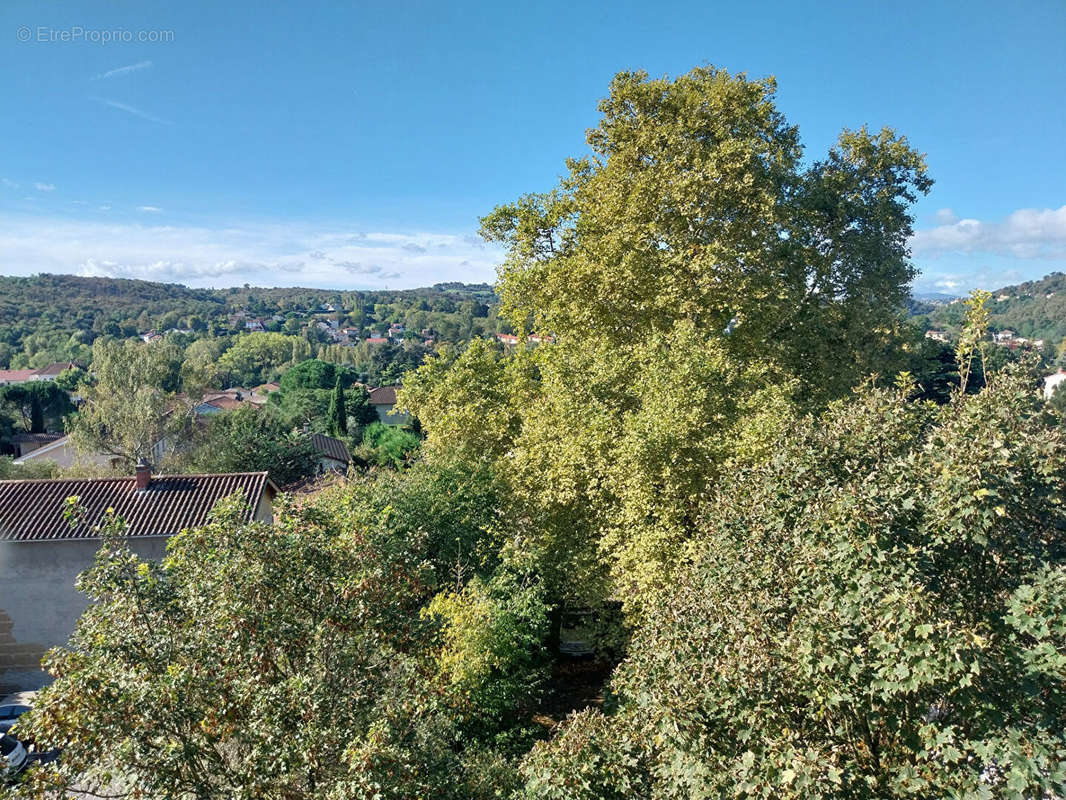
<point>1034,309</point>
<point>46,318</point>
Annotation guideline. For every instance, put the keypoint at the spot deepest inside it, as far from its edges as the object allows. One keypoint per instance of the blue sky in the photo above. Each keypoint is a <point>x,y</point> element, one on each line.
<point>355,144</point>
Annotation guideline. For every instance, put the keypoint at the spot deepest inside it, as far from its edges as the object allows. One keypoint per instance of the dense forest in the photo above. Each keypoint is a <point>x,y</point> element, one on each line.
<point>736,531</point>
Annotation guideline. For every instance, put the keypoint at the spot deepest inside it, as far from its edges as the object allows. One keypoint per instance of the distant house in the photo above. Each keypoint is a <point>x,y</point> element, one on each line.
<point>63,454</point>
<point>26,443</point>
<point>383,400</point>
<point>376,340</point>
<point>938,336</point>
<point>52,371</point>
<point>151,336</point>
<point>333,454</point>
<point>507,338</point>
<point>225,400</point>
<point>14,376</point>
<point>254,326</point>
<point>1004,336</point>
<point>41,553</point>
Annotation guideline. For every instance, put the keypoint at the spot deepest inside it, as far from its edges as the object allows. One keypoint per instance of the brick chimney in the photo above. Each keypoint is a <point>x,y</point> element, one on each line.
<point>143,473</point>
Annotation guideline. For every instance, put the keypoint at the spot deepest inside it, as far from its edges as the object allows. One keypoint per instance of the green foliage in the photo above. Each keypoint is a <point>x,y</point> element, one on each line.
<point>492,657</point>
<point>695,206</point>
<point>37,406</point>
<point>972,341</point>
<point>128,410</point>
<point>338,414</point>
<point>10,471</point>
<point>873,611</point>
<point>300,660</point>
<point>255,358</point>
<point>387,445</point>
<point>316,374</point>
<point>246,439</point>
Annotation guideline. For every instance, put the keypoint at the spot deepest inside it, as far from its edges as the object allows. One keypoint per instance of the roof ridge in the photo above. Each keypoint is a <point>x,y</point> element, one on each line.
<point>155,476</point>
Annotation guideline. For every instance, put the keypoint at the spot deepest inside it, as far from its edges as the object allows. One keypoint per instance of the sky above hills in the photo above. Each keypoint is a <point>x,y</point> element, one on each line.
<point>355,144</point>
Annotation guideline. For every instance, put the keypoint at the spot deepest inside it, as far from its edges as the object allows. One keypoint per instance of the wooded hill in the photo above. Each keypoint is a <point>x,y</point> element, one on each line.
<point>47,318</point>
<point>1034,309</point>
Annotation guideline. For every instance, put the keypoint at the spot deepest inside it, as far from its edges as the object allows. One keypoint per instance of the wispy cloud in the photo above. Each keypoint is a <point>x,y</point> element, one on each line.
<point>126,70</point>
<point>1029,233</point>
<point>44,187</point>
<point>270,254</point>
<point>132,110</point>
<point>149,209</point>
<point>10,184</point>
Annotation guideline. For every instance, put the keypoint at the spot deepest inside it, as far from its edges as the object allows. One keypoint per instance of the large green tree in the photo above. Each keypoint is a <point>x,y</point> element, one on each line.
<point>874,611</point>
<point>250,439</point>
<point>128,410</point>
<point>695,205</point>
<point>690,279</point>
<point>38,405</point>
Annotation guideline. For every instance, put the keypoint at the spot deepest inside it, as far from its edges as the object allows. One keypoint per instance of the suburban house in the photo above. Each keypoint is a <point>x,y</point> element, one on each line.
<point>376,340</point>
<point>225,400</point>
<point>49,373</point>
<point>332,454</point>
<point>13,376</point>
<point>383,399</point>
<point>62,453</point>
<point>41,553</point>
<point>26,443</point>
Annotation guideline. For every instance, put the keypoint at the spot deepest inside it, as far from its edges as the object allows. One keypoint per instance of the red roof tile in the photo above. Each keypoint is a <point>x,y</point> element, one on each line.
<point>15,375</point>
<point>33,510</point>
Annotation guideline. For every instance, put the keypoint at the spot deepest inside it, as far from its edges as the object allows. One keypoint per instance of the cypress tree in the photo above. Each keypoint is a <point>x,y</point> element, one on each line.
<point>338,414</point>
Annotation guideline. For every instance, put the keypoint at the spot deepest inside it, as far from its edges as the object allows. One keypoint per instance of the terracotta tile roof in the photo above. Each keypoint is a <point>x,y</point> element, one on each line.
<point>383,396</point>
<point>33,510</point>
<point>15,375</point>
<point>52,370</point>
<point>331,448</point>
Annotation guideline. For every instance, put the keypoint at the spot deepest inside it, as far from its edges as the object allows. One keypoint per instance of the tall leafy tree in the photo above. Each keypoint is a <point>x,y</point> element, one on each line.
<point>128,410</point>
<point>695,205</point>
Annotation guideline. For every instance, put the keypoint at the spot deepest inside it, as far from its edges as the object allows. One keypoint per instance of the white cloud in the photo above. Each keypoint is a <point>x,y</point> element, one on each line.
<point>10,184</point>
<point>265,254</point>
<point>132,110</point>
<point>149,209</point>
<point>946,216</point>
<point>44,187</point>
<point>1026,233</point>
<point>126,70</point>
